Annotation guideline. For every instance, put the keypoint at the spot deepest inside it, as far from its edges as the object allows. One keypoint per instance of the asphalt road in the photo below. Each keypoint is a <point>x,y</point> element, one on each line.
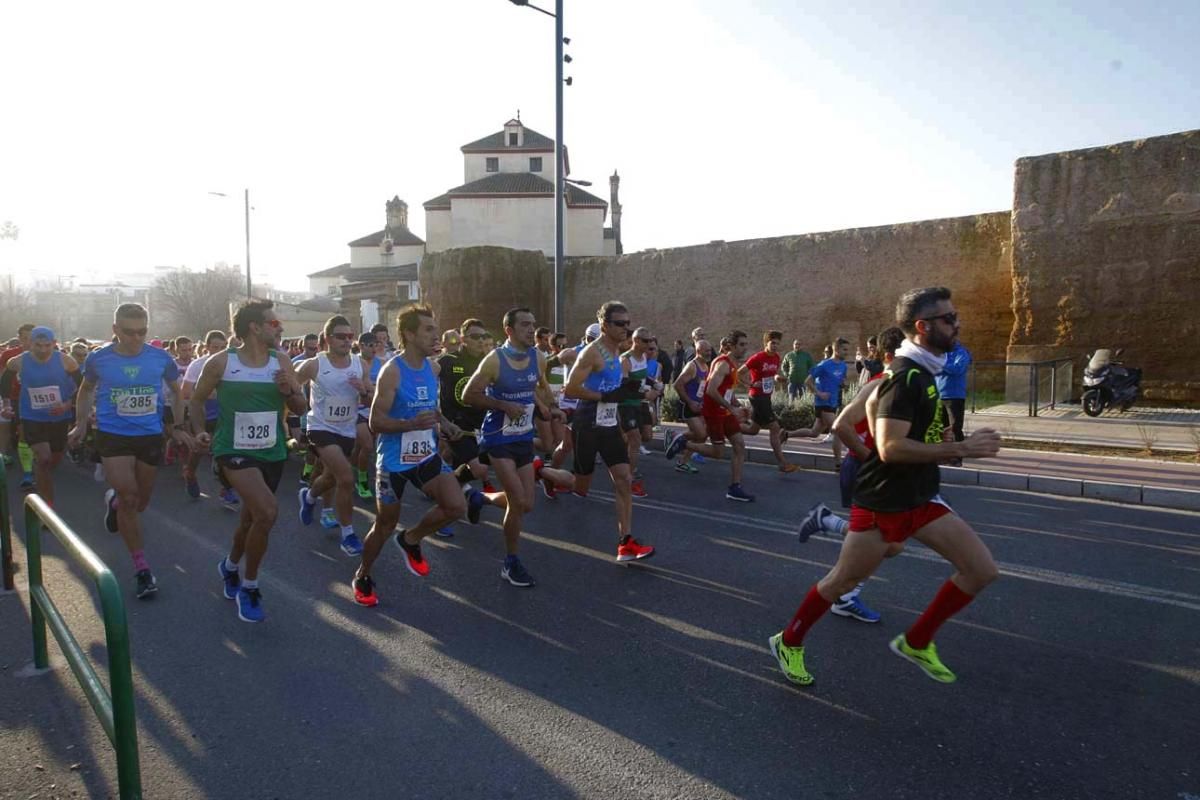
<point>1079,671</point>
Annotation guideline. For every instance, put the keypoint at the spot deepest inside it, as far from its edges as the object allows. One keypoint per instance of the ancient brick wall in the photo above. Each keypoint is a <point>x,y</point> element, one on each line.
<point>484,282</point>
<point>1106,253</point>
<point>813,287</point>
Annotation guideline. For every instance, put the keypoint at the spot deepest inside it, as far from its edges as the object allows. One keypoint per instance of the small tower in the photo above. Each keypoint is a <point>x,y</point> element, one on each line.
<point>397,214</point>
<point>614,206</point>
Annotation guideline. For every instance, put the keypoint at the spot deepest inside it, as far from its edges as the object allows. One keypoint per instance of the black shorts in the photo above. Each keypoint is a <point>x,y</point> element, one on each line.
<point>210,426</point>
<point>293,422</point>
<point>463,450</point>
<point>634,417</point>
<point>590,440</point>
<point>818,410</point>
<point>762,411</point>
<point>146,449</point>
<point>168,417</point>
<point>272,471</point>
<point>847,475</point>
<point>389,486</point>
<point>53,433</point>
<point>520,453</point>
<point>321,439</point>
<point>685,412</point>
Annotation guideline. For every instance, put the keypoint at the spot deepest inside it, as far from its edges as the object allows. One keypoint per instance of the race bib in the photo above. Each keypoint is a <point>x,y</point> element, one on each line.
<point>522,424</point>
<point>340,412</point>
<point>416,446</point>
<point>768,385</point>
<point>135,402</point>
<point>44,398</point>
<point>255,430</point>
<point>606,415</point>
<point>729,396</point>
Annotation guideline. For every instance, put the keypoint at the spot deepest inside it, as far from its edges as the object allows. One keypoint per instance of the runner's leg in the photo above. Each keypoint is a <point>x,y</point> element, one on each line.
<point>260,504</point>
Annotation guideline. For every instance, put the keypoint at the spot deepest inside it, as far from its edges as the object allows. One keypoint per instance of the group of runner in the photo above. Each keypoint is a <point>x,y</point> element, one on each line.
<point>447,411</point>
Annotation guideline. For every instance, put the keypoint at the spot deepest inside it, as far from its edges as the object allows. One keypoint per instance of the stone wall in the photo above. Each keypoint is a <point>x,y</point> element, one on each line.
<point>813,287</point>
<point>1106,253</point>
<point>484,282</point>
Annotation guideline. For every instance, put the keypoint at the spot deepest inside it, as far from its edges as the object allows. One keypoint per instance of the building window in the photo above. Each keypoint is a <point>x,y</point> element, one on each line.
<point>535,164</point>
<point>493,165</point>
<point>512,139</point>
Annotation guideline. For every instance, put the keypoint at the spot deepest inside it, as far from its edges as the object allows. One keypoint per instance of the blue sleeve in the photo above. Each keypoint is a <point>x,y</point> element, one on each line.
<point>91,370</point>
<point>171,373</point>
<point>957,362</point>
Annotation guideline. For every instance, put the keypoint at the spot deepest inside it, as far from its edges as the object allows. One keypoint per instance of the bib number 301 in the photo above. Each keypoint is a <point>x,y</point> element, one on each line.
<point>255,430</point>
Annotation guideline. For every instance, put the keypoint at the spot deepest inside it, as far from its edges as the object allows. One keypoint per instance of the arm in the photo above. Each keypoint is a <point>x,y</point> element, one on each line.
<point>584,366</point>
<point>854,413</point>
<point>475,393</point>
<point>711,389</point>
<point>894,446</point>
<point>6,382</point>
<point>385,394</point>
<point>83,411</point>
<point>680,385</point>
<point>289,387</point>
<point>210,376</point>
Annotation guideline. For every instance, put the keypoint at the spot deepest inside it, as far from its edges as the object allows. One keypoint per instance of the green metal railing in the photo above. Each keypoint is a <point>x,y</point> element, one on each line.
<point>6,551</point>
<point>115,710</point>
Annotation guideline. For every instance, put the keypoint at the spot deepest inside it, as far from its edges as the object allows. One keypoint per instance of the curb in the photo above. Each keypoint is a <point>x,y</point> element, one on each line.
<point>1128,493</point>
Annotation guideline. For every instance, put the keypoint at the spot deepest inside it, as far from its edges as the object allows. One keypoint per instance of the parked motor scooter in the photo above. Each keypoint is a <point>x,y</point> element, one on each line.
<point>1108,382</point>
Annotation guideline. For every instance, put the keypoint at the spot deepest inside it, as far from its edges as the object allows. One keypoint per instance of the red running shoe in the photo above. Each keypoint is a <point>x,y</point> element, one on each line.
<point>632,551</point>
<point>413,559</point>
<point>364,591</point>
<point>489,489</point>
<point>638,488</point>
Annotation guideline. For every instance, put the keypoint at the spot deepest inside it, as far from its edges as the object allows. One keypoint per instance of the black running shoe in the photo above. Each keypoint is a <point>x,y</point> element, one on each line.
<point>146,585</point>
<point>110,513</point>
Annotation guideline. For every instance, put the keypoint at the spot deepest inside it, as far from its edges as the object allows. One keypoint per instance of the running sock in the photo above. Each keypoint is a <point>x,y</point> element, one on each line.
<point>347,530</point>
<point>25,454</point>
<point>946,603</point>
<point>832,523</point>
<point>850,595</point>
<point>307,471</point>
<point>139,560</point>
<point>811,610</point>
<point>230,566</point>
<point>250,584</point>
<point>510,559</point>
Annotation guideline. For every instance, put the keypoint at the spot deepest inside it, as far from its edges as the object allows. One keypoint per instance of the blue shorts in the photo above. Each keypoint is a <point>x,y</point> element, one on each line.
<point>520,453</point>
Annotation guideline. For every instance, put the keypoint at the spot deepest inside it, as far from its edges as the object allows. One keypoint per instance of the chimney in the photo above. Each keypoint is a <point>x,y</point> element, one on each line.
<point>614,206</point>
<point>397,214</point>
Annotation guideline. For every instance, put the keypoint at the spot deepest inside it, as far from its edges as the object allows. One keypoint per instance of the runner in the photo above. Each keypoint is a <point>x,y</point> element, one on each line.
<point>510,383</point>
<point>125,380</point>
<point>298,423</point>
<point>12,425</point>
<point>852,428</point>
<point>598,382</point>
<point>762,369</point>
<point>568,405</point>
<point>337,381</point>
<point>636,422</point>
<point>404,414</point>
<point>214,343</point>
<point>723,416</point>
<point>688,387</point>
<point>48,379</point>
<point>896,495</point>
<point>825,381</point>
<point>255,385</point>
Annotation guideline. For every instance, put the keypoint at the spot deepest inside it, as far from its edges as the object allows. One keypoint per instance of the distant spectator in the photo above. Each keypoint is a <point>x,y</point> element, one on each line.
<point>952,386</point>
<point>871,364</point>
<point>796,366</point>
<point>679,358</point>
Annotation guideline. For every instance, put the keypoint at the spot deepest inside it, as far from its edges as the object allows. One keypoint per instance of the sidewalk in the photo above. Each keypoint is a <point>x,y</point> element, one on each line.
<point>1171,428</point>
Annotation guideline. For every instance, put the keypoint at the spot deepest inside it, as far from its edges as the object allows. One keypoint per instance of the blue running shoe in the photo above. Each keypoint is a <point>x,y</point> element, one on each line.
<point>230,500</point>
<point>249,605</point>
<point>812,521</point>
<point>697,458</point>
<point>328,520</point>
<point>675,444</point>
<point>736,492</point>
<point>475,503</point>
<point>446,532</point>
<point>855,609</point>
<point>307,507</point>
<point>351,545</point>
<point>27,480</point>
<point>231,579</point>
<point>515,573</point>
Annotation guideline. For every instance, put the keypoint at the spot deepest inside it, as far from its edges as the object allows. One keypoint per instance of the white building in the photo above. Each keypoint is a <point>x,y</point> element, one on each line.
<point>507,200</point>
<point>393,253</point>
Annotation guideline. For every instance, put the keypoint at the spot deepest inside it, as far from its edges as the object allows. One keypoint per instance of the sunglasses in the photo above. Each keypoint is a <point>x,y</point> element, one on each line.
<point>479,337</point>
<point>950,318</point>
<point>645,341</point>
<point>620,323</point>
<point>345,337</point>
<point>135,331</point>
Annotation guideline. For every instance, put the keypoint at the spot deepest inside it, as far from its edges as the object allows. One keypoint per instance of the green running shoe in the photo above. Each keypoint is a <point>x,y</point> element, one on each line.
<point>927,659</point>
<point>791,661</point>
<point>363,490</point>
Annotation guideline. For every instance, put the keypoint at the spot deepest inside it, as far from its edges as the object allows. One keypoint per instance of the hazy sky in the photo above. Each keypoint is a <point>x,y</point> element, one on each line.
<point>727,120</point>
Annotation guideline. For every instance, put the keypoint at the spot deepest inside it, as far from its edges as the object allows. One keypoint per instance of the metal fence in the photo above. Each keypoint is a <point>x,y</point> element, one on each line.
<point>1034,384</point>
<point>6,551</point>
<point>113,707</point>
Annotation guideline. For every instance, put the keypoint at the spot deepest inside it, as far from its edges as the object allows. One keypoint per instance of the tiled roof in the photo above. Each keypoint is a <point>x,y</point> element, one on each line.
<point>402,272</point>
<point>534,141</point>
<point>516,183</point>
<point>400,238</point>
<point>332,272</point>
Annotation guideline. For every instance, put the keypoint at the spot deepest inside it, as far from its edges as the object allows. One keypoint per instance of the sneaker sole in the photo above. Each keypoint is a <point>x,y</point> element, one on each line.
<point>404,554</point>
<point>142,595</point>
<point>371,602</point>
<point>350,551</point>
<point>108,512</point>
<point>739,499</point>
<point>504,574</point>
<point>895,648</point>
<point>300,500</point>
<point>221,572</point>
<point>772,642</point>
<point>627,559</point>
<point>244,619</point>
<point>841,612</point>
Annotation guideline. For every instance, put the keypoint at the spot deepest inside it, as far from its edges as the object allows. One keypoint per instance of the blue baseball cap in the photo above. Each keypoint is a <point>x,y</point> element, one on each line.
<point>41,332</point>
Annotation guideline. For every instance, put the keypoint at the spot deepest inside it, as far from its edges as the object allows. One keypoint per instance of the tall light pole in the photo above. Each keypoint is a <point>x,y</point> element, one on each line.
<point>249,286</point>
<point>559,184</point>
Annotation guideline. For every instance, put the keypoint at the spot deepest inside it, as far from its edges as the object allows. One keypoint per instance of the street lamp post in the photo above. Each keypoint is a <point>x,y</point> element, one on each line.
<point>246,195</point>
<point>559,183</point>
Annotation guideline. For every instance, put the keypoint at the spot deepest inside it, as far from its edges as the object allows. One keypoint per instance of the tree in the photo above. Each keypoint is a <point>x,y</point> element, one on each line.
<point>197,301</point>
<point>9,230</point>
<point>16,308</point>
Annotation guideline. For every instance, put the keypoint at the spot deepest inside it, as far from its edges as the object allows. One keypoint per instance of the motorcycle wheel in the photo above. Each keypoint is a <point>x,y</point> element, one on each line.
<point>1093,403</point>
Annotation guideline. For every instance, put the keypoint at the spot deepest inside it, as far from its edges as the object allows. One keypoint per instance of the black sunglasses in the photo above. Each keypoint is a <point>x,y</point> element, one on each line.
<point>620,323</point>
<point>479,337</point>
<point>950,318</point>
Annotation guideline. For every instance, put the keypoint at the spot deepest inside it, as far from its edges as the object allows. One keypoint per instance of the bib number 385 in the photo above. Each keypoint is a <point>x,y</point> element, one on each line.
<point>416,446</point>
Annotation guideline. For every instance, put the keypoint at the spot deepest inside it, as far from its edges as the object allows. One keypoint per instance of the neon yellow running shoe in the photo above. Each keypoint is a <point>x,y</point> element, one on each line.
<point>926,658</point>
<point>791,661</point>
